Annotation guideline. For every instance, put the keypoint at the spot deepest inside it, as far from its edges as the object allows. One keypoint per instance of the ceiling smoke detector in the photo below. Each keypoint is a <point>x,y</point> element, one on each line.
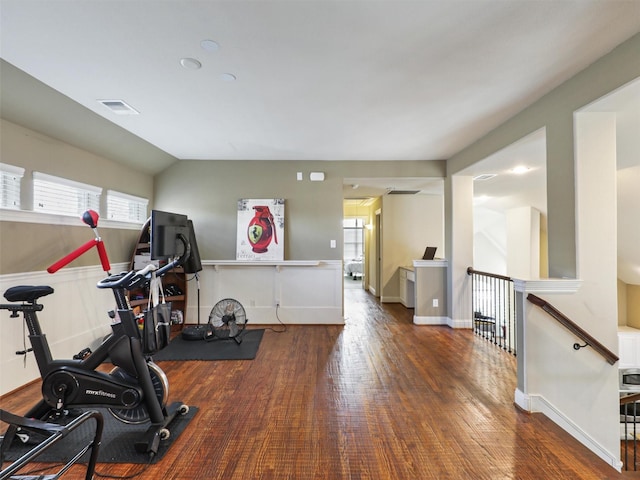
<point>119,107</point>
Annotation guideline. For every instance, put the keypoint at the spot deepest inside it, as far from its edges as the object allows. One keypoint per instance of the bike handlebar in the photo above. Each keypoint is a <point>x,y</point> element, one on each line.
<point>135,278</point>
<point>127,280</point>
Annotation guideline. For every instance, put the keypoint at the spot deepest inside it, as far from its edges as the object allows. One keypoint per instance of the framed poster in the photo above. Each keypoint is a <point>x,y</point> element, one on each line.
<point>260,229</point>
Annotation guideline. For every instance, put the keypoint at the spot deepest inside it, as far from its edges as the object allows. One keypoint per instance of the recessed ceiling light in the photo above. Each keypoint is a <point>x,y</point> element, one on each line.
<point>190,63</point>
<point>520,169</point>
<point>227,77</point>
<point>209,45</point>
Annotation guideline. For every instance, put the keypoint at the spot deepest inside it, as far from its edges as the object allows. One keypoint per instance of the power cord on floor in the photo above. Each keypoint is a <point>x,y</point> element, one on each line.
<point>281,322</point>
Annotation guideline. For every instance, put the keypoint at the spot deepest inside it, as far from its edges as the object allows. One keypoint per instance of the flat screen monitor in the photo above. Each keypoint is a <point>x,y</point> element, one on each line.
<point>429,253</point>
<point>166,229</point>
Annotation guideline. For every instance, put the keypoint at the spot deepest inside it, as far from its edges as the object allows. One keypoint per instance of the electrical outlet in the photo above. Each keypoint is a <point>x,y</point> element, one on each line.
<point>435,303</point>
<point>277,302</point>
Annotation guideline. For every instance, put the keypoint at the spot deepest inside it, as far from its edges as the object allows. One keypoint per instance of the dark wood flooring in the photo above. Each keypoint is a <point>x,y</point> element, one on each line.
<point>378,398</point>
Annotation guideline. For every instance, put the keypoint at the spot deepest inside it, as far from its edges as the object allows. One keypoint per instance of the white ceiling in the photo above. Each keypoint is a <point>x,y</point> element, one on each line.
<point>315,80</point>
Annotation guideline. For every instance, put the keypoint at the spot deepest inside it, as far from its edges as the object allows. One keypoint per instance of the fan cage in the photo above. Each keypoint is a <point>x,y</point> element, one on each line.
<point>227,319</point>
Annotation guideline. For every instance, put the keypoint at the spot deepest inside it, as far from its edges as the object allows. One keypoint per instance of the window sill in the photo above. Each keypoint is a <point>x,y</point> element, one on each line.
<point>7,215</point>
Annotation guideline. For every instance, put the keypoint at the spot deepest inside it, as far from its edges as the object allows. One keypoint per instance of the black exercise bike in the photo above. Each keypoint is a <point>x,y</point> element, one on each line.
<point>135,390</point>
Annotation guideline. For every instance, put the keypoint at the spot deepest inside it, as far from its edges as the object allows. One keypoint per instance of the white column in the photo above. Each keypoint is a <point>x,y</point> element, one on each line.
<point>460,199</point>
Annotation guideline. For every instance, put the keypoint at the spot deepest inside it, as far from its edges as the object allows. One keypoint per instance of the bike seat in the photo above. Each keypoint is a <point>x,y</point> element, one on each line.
<point>27,293</point>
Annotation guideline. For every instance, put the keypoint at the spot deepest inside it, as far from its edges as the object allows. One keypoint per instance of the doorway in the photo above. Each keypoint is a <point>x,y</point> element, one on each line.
<point>354,251</point>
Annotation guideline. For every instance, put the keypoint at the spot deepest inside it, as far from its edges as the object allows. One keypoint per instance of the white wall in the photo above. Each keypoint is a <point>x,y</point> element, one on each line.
<point>523,243</point>
<point>489,240</point>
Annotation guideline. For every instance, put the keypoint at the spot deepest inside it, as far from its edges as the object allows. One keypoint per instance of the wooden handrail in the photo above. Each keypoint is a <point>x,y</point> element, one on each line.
<point>611,357</point>
<point>630,399</point>
<point>470,270</point>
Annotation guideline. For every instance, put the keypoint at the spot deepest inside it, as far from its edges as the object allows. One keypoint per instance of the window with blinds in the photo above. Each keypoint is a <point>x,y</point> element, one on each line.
<point>122,207</point>
<point>353,238</point>
<point>61,196</point>
<point>10,178</point>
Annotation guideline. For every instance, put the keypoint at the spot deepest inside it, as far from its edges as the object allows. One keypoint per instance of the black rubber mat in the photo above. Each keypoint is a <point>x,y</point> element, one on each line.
<point>225,349</point>
<point>118,441</point>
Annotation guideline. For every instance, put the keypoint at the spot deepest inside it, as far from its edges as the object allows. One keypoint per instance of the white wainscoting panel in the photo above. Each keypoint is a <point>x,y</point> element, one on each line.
<point>74,317</point>
<point>307,292</point>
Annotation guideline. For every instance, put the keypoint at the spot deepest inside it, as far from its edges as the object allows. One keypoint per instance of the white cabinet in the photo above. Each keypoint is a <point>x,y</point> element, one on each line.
<point>629,347</point>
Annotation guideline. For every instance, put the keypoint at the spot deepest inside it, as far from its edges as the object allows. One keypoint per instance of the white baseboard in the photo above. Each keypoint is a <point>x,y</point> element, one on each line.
<point>538,404</point>
<point>388,299</point>
<point>461,323</point>
<point>424,320</point>
<point>435,320</point>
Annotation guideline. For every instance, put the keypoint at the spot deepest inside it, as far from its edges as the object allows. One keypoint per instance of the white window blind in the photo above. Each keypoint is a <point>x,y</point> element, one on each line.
<point>61,196</point>
<point>10,178</point>
<point>353,238</point>
<point>122,207</point>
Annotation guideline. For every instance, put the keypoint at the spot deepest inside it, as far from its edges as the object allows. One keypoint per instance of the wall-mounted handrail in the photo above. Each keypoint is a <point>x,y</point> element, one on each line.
<point>578,331</point>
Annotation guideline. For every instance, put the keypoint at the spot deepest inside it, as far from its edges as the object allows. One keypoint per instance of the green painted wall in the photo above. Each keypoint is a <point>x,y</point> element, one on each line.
<point>208,191</point>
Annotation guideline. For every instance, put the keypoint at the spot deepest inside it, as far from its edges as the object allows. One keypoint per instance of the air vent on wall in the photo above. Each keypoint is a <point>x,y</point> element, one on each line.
<point>119,107</point>
<point>402,192</point>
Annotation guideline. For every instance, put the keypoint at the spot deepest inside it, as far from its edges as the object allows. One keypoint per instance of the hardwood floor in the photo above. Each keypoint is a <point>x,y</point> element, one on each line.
<point>378,398</point>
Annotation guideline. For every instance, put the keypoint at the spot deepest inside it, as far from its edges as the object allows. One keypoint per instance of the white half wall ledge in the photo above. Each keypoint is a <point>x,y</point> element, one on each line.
<point>559,285</point>
<point>285,263</point>
<point>430,263</point>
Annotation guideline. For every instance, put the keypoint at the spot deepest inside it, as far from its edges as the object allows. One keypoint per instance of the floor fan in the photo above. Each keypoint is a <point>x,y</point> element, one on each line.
<point>227,320</point>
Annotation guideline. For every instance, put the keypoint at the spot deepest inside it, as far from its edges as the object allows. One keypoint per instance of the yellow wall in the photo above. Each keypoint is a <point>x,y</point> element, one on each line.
<point>633,306</point>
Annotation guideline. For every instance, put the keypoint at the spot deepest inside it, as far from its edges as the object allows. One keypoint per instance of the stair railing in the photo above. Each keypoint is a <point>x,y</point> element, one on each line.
<point>629,419</point>
<point>493,308</point>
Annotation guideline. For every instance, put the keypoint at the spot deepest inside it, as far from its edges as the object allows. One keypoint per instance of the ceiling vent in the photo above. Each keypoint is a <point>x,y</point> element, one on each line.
<point>484,176</point>
<point>119,107</point>
<point>402,192</point>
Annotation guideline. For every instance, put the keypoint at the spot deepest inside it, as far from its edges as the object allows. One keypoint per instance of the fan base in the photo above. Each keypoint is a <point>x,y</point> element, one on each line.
<point>195,332</point>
